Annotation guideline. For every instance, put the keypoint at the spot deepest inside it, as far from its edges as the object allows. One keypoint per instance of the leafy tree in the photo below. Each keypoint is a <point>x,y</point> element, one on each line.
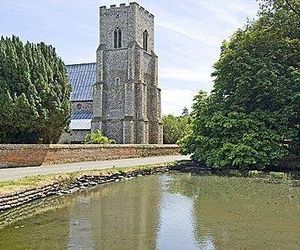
<point>97,137</point>
<point>276,5</point>
<point>251,119</point>
<point>34,93</point>
<point>175,128</point>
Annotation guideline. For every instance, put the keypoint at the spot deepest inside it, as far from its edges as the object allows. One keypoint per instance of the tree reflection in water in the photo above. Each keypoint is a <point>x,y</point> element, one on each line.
<point>242,212</point>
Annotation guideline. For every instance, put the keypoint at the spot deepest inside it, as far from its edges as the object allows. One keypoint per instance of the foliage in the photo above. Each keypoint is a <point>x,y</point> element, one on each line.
<point>185,111</point>
<point>97,137</point>
<point>278,175</point>
<point>255,173</point>
<point>251,119</point>
<point>34,93</point>
<point>278,5</point>
<point>175,128</point>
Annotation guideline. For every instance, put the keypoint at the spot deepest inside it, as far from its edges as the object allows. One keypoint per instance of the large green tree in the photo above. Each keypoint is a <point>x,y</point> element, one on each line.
<point>251,119</point>
<point>34,93</point>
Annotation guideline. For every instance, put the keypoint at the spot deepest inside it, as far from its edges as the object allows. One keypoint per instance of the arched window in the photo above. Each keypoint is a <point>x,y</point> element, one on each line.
<point>145,40</point>
<point>117,38</point>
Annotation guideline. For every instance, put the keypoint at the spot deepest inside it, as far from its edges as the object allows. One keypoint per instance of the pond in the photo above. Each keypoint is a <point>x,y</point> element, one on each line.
<point>169,211</point>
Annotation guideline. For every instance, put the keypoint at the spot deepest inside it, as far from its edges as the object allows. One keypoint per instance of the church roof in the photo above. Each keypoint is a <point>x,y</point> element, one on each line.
<point>82,78</point>
<point>77,115</point>
<point>81,120</point>
<point>82,124</point>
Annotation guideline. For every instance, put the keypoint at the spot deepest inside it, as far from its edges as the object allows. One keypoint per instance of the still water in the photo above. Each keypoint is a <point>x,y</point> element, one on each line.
<point>176,211</point>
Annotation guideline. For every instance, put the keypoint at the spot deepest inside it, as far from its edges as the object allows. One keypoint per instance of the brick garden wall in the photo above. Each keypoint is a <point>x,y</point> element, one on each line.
<point>21,155</point>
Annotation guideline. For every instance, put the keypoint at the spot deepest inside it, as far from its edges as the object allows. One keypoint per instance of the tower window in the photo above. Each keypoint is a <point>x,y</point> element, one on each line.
<point>117,38</point>
<point>145,40</point>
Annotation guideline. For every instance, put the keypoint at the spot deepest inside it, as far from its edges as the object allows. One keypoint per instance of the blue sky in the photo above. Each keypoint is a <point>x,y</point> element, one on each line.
<point>189,34</point>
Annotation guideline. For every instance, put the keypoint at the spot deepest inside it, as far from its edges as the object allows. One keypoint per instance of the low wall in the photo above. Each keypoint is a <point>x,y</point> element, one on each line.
<point>23,155</point>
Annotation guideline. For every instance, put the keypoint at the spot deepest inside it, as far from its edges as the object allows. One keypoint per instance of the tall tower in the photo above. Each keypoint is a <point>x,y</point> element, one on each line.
<point>126,97</point>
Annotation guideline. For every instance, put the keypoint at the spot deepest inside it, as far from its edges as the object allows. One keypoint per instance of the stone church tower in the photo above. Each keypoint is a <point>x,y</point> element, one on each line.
<point>126,97</point>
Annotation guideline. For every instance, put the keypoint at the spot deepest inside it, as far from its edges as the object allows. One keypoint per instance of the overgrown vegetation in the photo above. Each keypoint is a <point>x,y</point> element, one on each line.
<point>251,119</point>
<point>97,137</point>
<point>34,93</point>
<point>176,127</point>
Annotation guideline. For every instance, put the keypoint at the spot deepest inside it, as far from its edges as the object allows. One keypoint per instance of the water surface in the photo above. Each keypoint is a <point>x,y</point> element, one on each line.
<point>176,211</point>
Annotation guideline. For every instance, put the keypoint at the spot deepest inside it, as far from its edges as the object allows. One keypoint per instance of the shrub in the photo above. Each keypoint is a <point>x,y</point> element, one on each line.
<point>278,175</point>
<point>97,137</point>
<point>255,173</point>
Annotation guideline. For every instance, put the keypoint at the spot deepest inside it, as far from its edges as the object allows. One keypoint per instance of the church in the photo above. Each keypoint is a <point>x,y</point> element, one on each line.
<point>119,93</point>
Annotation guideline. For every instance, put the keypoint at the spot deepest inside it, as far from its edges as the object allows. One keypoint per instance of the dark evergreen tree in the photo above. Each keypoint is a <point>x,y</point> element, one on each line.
<point>34,93</point>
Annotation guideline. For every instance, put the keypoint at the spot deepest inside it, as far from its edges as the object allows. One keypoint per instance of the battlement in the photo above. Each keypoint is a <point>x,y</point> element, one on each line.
<point>131,5</point>
<point>114,6</point>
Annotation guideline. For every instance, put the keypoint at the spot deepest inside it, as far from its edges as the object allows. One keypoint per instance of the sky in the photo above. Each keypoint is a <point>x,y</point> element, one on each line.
<point>188,36</point>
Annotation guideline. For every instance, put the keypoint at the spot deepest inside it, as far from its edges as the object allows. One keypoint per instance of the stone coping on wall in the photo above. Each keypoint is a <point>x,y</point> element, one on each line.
<point>26,155</point>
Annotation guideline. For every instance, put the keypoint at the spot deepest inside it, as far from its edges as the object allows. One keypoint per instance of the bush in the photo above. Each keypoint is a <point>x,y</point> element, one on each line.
<point>255,173</point>
<point>97,137</point>
<point>231,139</point>
<point>278,175</point>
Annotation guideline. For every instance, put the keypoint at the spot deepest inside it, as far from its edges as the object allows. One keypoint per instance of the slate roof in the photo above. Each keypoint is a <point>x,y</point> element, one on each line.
<point>77,115</point>
<point>82,124</point>
<point>81,120</point>
<point>82,78</point>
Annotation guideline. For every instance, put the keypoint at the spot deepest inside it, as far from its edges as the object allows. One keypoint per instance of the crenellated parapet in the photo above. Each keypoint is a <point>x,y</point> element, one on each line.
<point>132,5</point>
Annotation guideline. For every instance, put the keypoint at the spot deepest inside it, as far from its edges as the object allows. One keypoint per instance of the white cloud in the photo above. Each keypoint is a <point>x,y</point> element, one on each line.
<point>232,12</point>
<point>243,7</point>
<point>192,33</point>
<point>185,75</point>
<point>174,100</point>
<point>224,15</point>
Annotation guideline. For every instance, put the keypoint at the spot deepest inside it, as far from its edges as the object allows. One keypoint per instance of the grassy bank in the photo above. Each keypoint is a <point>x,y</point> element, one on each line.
<point>34,182</point>
<point>18,192</point>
